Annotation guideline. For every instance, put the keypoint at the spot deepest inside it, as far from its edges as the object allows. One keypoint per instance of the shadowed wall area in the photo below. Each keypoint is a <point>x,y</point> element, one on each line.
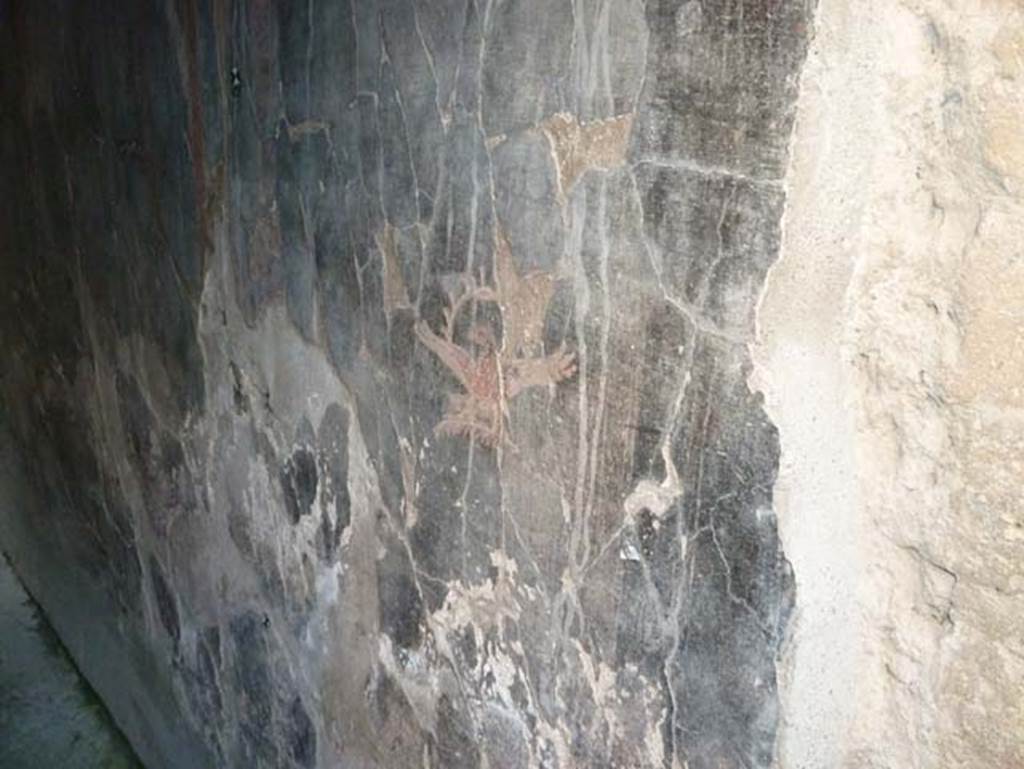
<point>375,373</point>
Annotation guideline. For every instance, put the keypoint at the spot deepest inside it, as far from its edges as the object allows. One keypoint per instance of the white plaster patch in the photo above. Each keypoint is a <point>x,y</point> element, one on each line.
<point>654,496</point>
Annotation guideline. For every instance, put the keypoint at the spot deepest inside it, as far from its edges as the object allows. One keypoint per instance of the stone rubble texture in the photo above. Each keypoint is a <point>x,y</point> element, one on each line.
<point>408,383</point>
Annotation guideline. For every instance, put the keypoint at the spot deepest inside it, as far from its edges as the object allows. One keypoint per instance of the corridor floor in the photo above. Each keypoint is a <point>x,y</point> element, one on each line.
<point>49,717</point>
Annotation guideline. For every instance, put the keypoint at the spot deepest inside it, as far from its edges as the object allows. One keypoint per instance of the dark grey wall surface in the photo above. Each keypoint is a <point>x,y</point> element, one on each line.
<point>376,373</point>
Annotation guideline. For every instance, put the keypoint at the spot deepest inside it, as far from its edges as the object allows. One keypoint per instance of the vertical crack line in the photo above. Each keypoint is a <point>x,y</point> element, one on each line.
<point>429,57</point>
<point>605,62</point>
<point>309,60</point>
<point>386,53</point>
<point>582,309</point>
<point>595,441</point>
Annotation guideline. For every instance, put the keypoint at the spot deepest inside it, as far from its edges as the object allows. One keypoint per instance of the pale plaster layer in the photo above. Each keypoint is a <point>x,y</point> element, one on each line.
<point>891,355</point>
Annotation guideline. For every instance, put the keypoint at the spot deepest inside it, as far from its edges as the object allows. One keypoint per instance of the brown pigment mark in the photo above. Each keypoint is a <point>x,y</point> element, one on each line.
<point>579,147</point>
<point>523,300</point>
<point>307,128</point>
<point>395,294</point>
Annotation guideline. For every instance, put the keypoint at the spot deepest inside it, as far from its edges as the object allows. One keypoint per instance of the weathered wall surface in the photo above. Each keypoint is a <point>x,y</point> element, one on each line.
<point>891,353</point>
<point>378,373</point>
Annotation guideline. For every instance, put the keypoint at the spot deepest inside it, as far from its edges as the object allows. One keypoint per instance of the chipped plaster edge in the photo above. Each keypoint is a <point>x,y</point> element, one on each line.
<point>799,365</point>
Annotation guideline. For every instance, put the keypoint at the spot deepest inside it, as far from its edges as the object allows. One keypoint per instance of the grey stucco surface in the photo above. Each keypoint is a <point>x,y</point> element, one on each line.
<point>287,503</point>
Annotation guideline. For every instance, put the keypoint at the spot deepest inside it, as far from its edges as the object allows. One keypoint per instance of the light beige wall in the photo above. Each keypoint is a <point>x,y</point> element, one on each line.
<point>891,353</point>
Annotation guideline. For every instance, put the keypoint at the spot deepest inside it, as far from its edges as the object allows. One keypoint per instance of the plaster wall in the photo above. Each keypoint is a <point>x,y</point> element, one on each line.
<point>890,352</point>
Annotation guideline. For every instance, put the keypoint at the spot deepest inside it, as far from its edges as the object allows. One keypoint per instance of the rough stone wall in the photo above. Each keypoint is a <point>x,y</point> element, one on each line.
<point>891,353</point>
<point>377,373</point>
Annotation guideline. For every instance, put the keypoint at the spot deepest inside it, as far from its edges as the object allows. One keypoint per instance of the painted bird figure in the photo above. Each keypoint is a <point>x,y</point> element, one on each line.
<point>489,380</point>
<point>491,375</point>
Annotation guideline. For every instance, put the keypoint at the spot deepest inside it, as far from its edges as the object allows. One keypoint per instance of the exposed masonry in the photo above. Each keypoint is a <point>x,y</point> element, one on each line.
<point>422,435</point>
<point>890,356</point>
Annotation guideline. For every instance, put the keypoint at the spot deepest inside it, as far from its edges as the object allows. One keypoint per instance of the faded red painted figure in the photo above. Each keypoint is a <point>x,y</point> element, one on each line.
<point>489,380</point>
<point>489,375</point>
